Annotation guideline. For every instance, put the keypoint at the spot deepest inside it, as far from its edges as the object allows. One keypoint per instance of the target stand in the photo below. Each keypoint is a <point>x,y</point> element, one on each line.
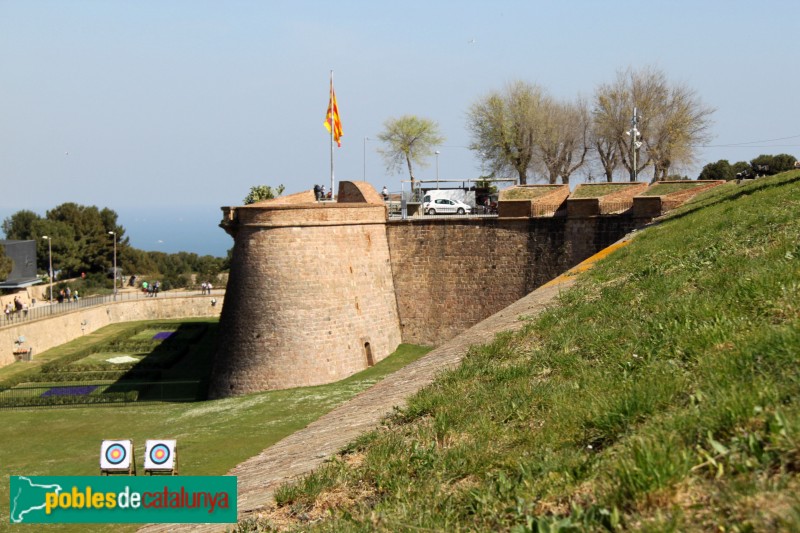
<point>116,457</point>
<point>161,457</point>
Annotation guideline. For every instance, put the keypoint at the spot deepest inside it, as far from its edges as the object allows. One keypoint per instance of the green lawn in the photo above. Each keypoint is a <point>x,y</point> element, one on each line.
<point>213,436</point>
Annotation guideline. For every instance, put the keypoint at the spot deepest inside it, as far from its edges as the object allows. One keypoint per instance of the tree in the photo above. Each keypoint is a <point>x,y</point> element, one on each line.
<point>563,138</point>
<point>721,170</point>
<point>767,165</point>
<point>262,192</point>
<point>503,126</point>
<point>19,225</point>
<point>408,139</point>
<point>93,246</point>
<point>6,264</point>
<point>610,118</point>
<point>673,122</point>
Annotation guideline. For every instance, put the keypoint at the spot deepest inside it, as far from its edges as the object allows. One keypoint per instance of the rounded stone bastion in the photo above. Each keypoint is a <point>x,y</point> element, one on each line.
<point>310,298</point>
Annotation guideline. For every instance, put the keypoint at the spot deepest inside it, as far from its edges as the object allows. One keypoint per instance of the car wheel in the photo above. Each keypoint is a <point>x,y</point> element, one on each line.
<point>431,211</point>
<point>460,211</point>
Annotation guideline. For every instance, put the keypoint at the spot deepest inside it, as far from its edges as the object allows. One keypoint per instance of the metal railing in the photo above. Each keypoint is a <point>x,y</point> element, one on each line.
<point>47,310</point>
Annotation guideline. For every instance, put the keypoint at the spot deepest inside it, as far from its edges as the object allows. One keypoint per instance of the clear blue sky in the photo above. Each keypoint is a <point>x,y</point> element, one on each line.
<point>179,102</point>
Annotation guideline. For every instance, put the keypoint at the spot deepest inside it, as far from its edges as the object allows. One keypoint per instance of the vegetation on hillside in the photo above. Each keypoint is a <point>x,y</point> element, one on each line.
<point>662,189</point>
<point>763,165</point>
<point>82,245</point>
<point>661,394</point>
<point>598,190</point>
<point>527,193</point>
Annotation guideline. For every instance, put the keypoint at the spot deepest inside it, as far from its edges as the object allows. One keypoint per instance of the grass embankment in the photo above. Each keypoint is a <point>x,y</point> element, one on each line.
<point>213,436</point>
<point>662,393</point>
<point>663,189</point>
<point>599,189</point>
<point>528,193</point>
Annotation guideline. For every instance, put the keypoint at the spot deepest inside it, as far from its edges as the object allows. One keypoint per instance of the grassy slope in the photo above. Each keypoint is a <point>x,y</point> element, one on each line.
<point>663,189</point>
<point>213,436</point>
<point>662,394</point>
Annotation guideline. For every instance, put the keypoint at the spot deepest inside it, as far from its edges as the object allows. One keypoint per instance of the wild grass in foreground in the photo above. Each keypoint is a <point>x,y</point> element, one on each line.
<point>662,394</point>
<point>213,436</point>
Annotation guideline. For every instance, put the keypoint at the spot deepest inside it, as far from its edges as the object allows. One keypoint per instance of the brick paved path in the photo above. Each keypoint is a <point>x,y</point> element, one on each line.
<point>301,452</point>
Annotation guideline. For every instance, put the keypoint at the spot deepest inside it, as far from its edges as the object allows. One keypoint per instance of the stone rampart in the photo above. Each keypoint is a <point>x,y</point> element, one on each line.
<point>310,296</point>
<point>48,332</point>
<point>321,290</point>
<point>451,274</point>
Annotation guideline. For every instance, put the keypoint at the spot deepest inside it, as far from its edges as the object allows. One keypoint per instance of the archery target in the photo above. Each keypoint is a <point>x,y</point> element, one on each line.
<point>115,455</point>
<point>159,455</point>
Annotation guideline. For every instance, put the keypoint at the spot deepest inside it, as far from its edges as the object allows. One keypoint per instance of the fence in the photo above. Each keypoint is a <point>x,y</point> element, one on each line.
<point>47,310</point>
<point>81,393</point>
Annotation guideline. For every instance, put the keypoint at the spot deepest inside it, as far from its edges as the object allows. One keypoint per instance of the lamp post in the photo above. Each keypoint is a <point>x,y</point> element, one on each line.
<point>115,262</point>
<point>635,135</point>
<point>437,168</point>
<point>365,159</point>
<point>50,257</point>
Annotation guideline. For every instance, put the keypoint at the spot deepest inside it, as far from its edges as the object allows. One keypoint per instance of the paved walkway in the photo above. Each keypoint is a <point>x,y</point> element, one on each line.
<point>303,451</point>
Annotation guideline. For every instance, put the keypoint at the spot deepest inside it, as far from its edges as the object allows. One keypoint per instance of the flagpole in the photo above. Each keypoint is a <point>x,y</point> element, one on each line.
<point>333,123</point>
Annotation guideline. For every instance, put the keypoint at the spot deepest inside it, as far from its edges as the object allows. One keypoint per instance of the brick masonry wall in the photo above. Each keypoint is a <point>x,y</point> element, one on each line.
<point>303,300</point>
<point>46,333</point>
<point>451,274</point>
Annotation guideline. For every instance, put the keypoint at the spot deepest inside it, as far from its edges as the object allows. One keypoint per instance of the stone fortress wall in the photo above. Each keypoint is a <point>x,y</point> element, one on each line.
<point>321,290</point>
<point>312,292</point>
<point>451,274</point>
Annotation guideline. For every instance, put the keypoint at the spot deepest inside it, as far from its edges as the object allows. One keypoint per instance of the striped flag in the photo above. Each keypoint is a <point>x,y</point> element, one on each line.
<point>332,119</point>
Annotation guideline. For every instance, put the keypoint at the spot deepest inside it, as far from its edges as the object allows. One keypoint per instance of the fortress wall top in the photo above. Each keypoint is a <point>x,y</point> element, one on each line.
<point>306,214</point>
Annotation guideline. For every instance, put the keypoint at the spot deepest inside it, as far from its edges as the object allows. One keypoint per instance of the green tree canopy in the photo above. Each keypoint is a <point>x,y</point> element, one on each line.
<point>767,165</point>
<point>408,139</point>
<point>79,234</point>
<point>721,170</point>
<point>19,226</point>
<point>6,264</point>
<point>262,192</point>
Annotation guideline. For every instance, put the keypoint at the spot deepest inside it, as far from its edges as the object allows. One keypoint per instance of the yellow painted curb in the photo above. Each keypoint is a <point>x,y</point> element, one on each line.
<point>586,264</point>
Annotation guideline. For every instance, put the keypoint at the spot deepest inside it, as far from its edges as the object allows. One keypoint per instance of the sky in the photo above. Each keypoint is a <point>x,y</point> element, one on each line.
<point>167,110</point>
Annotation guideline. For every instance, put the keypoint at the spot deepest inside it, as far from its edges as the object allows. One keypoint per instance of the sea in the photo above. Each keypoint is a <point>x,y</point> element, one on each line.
<point>168,229</point>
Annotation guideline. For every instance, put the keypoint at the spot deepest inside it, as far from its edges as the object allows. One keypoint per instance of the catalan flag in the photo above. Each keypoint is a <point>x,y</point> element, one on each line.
<point>332,119</point>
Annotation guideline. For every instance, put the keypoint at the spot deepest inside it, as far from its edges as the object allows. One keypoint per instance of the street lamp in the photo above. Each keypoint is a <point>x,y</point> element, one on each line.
<point>115,262</point>
<point>635,135</point>
<point>50,257</point>
<point>437,167</point>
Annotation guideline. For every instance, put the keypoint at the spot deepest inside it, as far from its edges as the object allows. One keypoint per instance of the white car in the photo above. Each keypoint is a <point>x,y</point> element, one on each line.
<point>444,205</point>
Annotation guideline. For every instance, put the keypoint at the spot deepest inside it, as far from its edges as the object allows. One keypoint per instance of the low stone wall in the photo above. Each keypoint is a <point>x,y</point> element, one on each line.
<point>48,332</point>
